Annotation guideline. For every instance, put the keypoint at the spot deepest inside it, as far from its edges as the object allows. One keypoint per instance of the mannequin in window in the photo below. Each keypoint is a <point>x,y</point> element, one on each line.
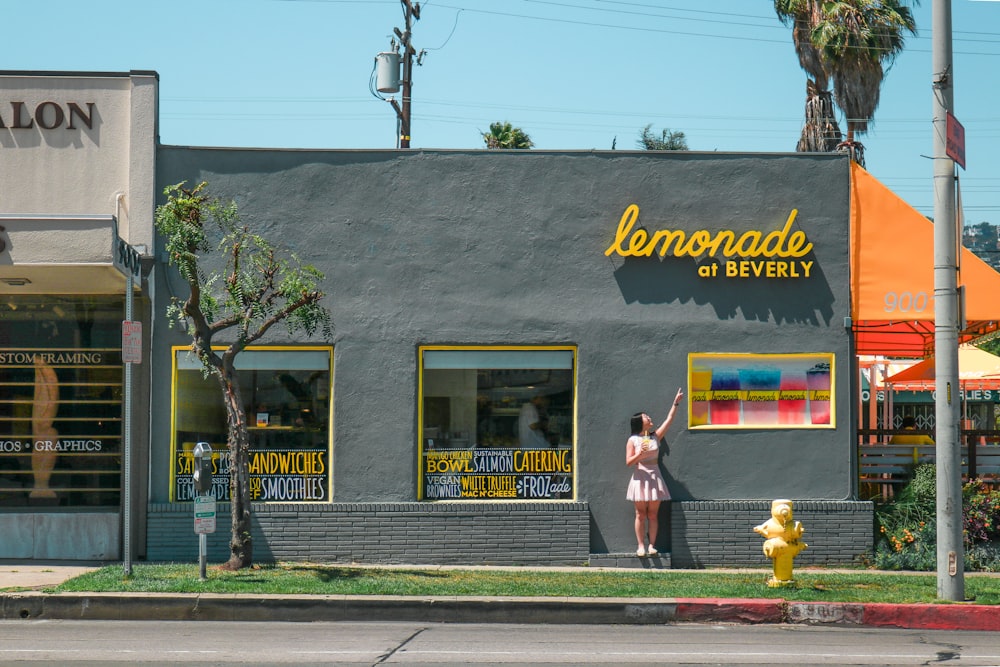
<point>43,434</point>
<point>532,423</point>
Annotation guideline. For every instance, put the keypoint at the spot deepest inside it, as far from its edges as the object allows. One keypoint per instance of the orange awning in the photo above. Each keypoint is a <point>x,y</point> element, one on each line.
<point>977,369</point>
<point>892,276</point>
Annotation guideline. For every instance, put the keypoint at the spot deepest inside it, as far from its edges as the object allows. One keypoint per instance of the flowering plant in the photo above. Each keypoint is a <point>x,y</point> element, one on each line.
<point>907,525</point>
<point>980,512</point>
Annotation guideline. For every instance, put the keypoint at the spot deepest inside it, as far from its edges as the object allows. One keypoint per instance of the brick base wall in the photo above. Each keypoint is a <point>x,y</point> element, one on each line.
<point>720,533</point>
<point>702,533</point>
<point>390,533</point>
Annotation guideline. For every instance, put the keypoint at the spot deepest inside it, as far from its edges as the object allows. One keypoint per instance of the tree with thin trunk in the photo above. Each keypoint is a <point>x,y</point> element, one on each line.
<point>258,288</point>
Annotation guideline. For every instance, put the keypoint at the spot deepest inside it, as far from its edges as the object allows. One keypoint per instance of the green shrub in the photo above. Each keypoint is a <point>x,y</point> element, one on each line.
<point>983,558</point>
<point>906,526</point>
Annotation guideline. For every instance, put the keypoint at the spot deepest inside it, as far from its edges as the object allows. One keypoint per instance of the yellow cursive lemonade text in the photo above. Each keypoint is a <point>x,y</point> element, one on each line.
<point>630,242</point>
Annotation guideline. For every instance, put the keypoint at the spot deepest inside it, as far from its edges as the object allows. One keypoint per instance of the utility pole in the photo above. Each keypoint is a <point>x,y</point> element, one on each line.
<point>411,12</point>
<point>950,551</point>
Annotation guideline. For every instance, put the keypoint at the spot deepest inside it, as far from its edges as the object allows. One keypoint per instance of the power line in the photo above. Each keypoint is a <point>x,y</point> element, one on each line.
<point>890,130</point>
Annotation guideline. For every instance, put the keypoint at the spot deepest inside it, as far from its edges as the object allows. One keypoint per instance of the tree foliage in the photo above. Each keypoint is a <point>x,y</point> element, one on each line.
<point>859,40</point>
<point>257,288</point>
<point>669,140</point>
<point>850,43</point>
<point>504,135</point>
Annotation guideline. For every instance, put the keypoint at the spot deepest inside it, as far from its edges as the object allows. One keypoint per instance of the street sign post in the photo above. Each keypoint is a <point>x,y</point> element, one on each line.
<point>204,523</point>
<point>128,261</point>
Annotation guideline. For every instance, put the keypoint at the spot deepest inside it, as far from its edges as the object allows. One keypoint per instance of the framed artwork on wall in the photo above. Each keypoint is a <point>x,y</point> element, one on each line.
<point>734,390</point>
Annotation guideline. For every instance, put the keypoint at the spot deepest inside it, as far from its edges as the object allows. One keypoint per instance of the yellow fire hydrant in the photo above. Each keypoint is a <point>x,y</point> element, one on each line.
<point>781,541</point>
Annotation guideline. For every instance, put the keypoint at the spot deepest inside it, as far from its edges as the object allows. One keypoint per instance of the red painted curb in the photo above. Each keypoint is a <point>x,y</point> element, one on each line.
<point>933,616</point>
<point>910,616</point>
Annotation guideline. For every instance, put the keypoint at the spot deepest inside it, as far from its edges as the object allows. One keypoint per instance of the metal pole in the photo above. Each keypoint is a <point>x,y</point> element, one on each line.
<point>127,444</point>
<point>202,555</point>
<point>950,553</point>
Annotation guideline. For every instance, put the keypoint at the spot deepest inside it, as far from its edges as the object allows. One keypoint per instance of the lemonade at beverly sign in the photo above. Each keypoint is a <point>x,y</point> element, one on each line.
<point>749,254</point>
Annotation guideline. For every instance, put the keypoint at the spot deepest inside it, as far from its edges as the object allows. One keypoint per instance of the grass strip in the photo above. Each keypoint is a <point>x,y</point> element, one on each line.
<point>319,579</point>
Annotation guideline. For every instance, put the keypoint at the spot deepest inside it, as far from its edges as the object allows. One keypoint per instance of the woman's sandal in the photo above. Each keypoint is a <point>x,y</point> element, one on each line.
<point>652,551</point>
<point>640,552</point>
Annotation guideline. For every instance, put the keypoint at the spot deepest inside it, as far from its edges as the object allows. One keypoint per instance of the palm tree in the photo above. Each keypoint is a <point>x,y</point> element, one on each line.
<point>503,135</point>
<point>848,42</point>
<point>668,140</point>
<point>858,39</point>
<point>820,132</point>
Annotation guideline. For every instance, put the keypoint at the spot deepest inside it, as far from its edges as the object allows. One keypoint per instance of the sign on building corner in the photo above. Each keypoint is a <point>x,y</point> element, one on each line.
<point>126,259</point>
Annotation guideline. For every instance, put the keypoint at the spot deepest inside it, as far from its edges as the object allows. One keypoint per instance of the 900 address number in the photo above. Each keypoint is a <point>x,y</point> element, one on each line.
<point>906,302</point>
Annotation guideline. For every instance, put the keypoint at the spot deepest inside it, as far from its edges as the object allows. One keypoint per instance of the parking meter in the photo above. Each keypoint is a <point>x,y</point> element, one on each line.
<point>202,468</point>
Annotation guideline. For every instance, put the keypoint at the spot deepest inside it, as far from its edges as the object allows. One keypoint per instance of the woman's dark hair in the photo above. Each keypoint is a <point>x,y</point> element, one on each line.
<point>636,423</point>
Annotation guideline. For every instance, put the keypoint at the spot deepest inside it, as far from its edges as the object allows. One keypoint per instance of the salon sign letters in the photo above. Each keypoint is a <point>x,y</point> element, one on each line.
<point>754,253</point>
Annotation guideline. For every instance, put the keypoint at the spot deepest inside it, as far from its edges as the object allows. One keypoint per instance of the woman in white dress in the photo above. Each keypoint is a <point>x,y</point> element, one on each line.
<point>646,488</point>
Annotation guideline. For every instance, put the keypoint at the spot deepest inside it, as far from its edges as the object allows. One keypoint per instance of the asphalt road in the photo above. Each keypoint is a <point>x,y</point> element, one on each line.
<point>389,643</point>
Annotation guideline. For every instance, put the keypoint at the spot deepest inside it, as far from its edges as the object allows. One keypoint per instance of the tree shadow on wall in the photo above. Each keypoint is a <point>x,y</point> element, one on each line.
<point>801,300</point>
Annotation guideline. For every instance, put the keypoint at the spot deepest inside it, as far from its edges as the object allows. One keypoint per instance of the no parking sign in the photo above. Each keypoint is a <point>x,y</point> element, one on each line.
<point>131,342</point>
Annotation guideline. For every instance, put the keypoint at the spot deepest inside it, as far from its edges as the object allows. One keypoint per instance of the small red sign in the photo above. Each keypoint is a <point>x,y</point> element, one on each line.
<point>131,342</point>
<point>955,145</point>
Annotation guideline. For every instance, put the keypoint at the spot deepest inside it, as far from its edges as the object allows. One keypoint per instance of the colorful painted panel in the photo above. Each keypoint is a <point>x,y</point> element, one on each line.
<point>760,390</point>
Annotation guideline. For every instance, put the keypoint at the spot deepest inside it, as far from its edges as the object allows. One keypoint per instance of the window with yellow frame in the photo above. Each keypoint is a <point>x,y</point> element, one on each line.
<point>760,390</point>
<point>286,394</point>
<point>497,423</point>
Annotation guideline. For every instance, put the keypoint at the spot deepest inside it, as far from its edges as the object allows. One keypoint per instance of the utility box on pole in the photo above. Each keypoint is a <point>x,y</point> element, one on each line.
<point>387,72</point>
<point>389,78</point>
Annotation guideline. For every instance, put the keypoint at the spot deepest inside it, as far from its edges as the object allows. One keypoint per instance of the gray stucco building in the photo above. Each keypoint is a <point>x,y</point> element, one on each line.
<point>463,284</point>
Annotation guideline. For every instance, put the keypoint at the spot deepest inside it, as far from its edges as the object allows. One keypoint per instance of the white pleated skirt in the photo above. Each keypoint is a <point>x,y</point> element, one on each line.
<point>647,484</point>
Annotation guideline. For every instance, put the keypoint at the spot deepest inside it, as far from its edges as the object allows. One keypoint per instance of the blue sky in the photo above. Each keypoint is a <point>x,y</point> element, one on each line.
<point>574,74</point>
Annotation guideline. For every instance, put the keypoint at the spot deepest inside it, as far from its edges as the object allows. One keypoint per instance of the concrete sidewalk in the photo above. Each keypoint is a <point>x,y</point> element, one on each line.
<point>40,574</point>
<point>22,597</point>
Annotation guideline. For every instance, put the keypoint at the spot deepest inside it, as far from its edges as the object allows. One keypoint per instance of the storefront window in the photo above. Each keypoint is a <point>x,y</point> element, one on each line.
<point>287,401</point>
<point>60,400</point>
<point>497,423</point>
